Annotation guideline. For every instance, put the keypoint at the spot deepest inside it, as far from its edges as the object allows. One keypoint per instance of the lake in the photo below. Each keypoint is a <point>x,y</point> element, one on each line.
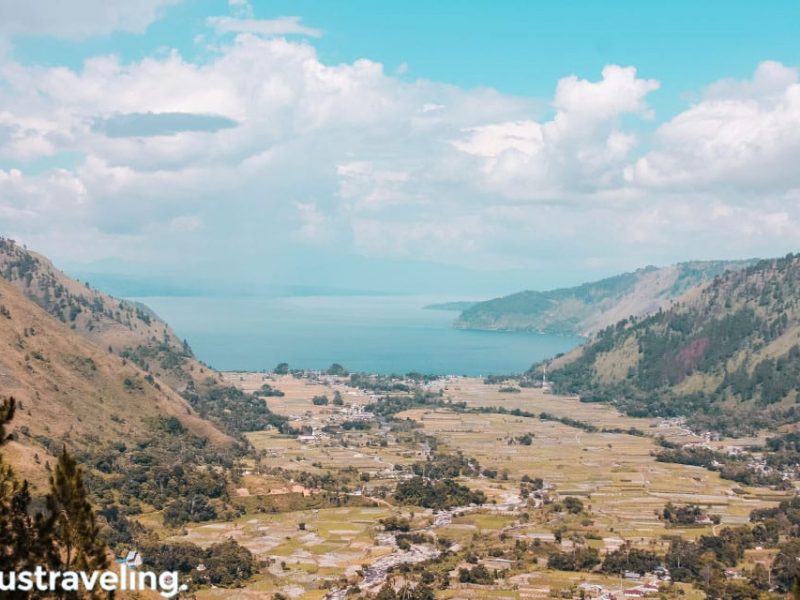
<point>379,334</point>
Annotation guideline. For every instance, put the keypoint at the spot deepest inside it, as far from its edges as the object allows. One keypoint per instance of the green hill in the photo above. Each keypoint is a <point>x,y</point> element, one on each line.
<point>587,308</point>
<point>727,354</point>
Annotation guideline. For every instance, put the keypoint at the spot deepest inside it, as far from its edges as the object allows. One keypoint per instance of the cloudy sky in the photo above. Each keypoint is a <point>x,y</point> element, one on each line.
<point>448,147</point>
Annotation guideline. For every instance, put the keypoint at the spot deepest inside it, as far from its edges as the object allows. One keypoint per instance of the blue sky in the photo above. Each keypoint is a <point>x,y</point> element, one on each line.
<point>518,47</point>
<point>472,146</point>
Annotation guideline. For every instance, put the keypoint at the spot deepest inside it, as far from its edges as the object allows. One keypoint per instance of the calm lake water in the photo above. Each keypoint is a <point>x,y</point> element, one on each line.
<point>379,334</point>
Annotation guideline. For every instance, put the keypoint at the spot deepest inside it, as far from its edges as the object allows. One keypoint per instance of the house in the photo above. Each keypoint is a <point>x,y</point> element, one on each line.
<point>594,591</point>
<point>633,575</point>
<point>133,559</point>
<point>733,574</point>
<point>704,519</point>
<point>662,573</point>
<point>641,591</point>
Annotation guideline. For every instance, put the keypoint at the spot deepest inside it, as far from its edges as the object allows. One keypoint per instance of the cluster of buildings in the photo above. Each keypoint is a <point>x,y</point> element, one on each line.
<point>598,592</point>
<point>353,412</point>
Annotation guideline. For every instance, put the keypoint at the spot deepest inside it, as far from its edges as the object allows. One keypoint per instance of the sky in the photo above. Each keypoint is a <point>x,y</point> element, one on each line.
<point>457,148</point>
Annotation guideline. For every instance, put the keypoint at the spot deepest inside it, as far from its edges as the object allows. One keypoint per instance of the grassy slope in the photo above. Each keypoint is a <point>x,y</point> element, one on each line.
<point>726,346</point>
<point>70,384</point>
<point>69,388</point>
<point>110,323</point>
<point>587,308</point>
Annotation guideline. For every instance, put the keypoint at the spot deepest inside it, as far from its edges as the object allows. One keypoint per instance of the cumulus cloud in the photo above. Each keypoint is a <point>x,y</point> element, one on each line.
<point>581,146</point>
<point>277,26</point>
<point>78,19</point>
<point>263,149</point>
<point>742,135</point>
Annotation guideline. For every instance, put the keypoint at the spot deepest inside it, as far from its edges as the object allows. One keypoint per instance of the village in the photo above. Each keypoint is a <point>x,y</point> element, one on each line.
<point>322,512</point>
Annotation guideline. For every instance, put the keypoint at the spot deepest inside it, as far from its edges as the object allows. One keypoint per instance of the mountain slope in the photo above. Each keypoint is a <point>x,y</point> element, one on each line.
<point>727,353</point>
<point>70,390</point>
<point>126,328</point>
<point>587,308</point>
<point>133,333</point>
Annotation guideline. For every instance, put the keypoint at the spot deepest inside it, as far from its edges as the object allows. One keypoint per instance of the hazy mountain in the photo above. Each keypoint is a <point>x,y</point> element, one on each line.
<point>588,308</point>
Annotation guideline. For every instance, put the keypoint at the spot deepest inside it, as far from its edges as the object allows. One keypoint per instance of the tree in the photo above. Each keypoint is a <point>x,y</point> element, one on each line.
<point>229,563</point>
<point>580,559</point>
<point>74,524</point>
<point>573,505</point>
<point>25,540</point>
<point>282,369</point>
<point>66,538</point>
<point>786,565</point>
<point>386,593</point>
<point>418,592</point>
<point>627,558</point>
<point>7,410</point>
<point>337,369</point>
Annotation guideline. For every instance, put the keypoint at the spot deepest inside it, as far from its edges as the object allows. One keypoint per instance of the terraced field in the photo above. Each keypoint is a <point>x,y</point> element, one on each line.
<point>307,553</point>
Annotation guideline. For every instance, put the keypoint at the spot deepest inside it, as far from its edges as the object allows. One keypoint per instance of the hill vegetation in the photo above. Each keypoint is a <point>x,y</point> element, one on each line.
<point>154,430</point>
<point>129,329</point>
<point>69,389</point>
<point>727,354</point>
<point>590,307</point>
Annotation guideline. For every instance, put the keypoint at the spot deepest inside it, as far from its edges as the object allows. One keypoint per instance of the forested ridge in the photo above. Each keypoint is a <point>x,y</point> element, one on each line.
<point>722,352</point>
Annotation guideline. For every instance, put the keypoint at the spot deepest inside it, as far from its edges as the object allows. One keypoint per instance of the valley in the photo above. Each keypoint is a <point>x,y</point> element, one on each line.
<point>329,484</point>
<point>399,301</point>
<point>310,549</point>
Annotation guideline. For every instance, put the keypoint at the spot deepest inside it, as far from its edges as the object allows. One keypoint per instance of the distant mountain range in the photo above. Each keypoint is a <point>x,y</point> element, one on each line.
<point>588,308</point>
<point>726,354</point>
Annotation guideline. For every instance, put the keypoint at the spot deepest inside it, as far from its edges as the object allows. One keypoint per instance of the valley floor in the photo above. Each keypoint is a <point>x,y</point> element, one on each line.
<point>313,502</point>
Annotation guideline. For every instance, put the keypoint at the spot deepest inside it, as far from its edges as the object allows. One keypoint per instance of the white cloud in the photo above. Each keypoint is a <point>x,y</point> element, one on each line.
<point>373,188</point>
<point>620,91</point>
<point>769,80</point>
<point>743,135</point>
<point>277,26</point>
<point>348,158</point>
<point>581,146</point>
<point>315,227</point>
<point>78,18</point>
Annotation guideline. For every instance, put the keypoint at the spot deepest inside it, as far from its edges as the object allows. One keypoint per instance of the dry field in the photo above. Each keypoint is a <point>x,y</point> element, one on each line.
<point>615,474</point>
<point>333,542</point>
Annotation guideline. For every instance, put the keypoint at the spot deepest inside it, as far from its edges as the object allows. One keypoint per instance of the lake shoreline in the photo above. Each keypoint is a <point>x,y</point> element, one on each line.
<point>382,335</point>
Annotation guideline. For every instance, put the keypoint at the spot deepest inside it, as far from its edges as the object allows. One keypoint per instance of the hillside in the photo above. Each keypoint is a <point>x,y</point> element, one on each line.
<point>587,308</point>
<point>69,390</point>
<point>728,354</point>
<point>89,369</point>
<point>126,328</point>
